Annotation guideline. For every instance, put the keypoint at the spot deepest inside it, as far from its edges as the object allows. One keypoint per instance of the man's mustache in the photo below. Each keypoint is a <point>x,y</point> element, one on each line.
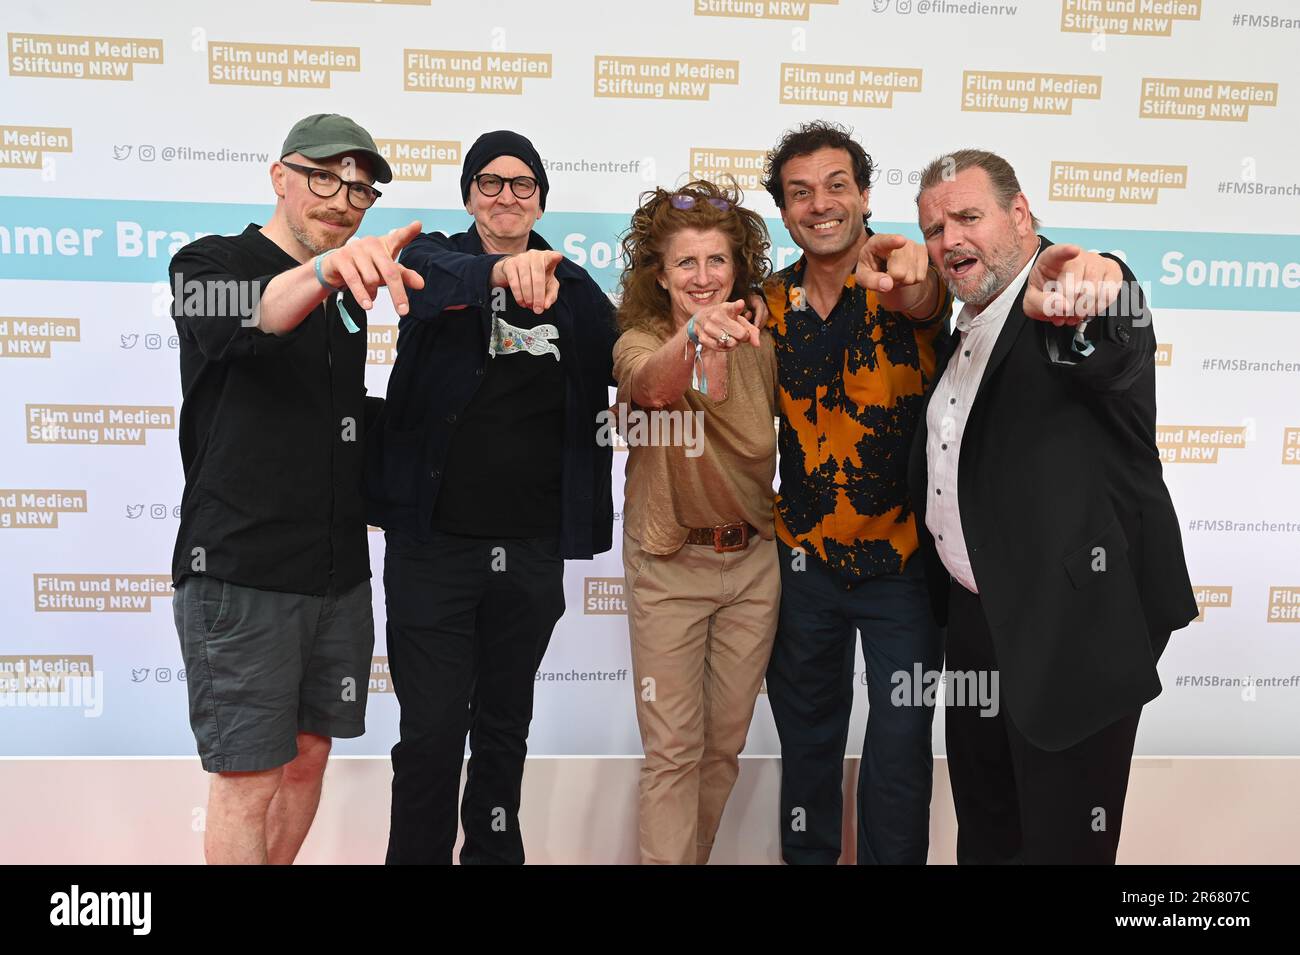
<point>956,255</point>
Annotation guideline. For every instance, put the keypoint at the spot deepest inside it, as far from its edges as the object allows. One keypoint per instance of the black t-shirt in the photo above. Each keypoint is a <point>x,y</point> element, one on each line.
<point>502,477</point>
<point>271,429</point>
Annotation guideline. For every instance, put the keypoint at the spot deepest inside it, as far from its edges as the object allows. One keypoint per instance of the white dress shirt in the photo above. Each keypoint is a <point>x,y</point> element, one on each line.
<point>945,420</point>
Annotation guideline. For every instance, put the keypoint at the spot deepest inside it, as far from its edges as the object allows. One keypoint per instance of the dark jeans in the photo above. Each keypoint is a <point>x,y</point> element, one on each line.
<point>810,687</point>
<point>469,620</point>
<point>1014,801</point>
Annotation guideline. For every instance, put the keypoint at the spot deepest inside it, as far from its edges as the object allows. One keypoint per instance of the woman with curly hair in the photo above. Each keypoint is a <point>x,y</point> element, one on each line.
<point>697,394</point>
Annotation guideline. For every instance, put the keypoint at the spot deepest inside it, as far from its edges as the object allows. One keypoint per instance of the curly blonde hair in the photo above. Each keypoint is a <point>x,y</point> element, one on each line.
<point>644,304</point>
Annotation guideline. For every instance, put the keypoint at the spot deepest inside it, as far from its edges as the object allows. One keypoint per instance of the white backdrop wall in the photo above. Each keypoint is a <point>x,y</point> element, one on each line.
<point>1162,130</point>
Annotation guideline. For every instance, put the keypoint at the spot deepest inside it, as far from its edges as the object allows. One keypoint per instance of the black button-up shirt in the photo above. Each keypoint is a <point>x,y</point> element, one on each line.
<point>271,429</point>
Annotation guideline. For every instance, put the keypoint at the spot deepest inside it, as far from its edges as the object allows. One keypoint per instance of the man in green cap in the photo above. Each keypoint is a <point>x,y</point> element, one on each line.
<point>271,567</point>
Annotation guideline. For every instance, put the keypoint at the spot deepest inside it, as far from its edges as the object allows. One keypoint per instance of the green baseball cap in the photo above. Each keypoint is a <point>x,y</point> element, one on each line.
<point>323,135</point>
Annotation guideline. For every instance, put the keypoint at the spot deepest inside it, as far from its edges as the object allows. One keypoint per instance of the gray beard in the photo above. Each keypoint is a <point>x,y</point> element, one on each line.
<point>998,273</point>
<point>306,240</point>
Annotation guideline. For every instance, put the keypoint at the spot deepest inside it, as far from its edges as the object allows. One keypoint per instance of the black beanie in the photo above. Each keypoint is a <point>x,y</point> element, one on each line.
<point>503,142</point>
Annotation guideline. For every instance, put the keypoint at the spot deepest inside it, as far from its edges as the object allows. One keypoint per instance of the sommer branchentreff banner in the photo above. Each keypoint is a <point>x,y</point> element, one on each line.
<point>1163,130</point>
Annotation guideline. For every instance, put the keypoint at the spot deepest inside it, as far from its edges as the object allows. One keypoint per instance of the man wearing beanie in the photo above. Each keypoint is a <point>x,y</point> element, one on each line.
<point>486,475</point>
<point>271,566</point>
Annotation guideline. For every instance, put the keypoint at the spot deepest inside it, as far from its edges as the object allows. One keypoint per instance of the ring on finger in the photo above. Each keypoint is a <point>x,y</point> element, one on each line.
<point>723,338</point>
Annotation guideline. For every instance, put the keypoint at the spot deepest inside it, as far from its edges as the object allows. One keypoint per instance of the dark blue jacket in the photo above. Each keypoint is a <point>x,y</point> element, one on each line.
<point>441,356</point>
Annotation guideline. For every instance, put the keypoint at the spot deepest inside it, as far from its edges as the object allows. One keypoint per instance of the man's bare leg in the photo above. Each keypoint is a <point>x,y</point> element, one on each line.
<point>235,831</point>
<point>291,811</point>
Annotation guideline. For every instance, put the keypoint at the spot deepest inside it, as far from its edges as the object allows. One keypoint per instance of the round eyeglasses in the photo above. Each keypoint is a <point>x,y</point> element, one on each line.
<point>326,184</point>
<point>490,184</point>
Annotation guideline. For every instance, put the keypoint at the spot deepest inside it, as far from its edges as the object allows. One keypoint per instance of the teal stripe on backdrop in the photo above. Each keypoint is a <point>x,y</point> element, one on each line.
<point>54,240</point>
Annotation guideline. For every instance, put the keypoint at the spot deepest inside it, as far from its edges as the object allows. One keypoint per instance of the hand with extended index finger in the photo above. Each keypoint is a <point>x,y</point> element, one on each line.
<point>713,322</point>
<point>897,270</point>
<point>1067,285</point>
<point>891,262</point>
<point>365,264</point>
<point>530,276</point>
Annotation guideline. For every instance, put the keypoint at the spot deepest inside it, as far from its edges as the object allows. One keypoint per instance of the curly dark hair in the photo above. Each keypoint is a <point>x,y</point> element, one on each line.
<point>643,303</point>
<point>809,138</point>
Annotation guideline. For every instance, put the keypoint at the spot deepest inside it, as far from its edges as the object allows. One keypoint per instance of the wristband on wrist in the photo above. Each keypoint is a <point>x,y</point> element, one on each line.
<point>320,276</point>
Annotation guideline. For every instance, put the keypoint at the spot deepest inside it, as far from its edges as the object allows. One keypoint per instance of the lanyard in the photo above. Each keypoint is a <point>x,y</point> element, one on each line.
<point>699,380</point>
<point>348,323</point>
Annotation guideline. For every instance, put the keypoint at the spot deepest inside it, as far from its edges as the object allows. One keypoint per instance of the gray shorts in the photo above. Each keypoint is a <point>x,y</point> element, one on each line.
<point>264,666</point>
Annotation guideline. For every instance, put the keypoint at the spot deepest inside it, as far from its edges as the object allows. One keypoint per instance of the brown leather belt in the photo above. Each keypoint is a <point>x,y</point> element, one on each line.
<point>724,537</point>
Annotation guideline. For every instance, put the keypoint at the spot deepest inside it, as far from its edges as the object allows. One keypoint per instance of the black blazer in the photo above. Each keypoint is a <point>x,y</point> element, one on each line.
<point>1056,461</point>
<point>441,356</point>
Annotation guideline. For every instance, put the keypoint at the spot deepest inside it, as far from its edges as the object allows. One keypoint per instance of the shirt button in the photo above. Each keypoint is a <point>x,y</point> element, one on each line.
<point>435,474</point>
<point>451,418</point>
<point>478,371</point>
<point>967,354</point>
<point>940,537</point>
<point>944,447</point>
<point>937,491</point>
<point>952,401</point>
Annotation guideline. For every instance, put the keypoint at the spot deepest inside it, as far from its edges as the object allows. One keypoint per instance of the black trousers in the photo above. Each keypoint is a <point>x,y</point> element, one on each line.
<point>469,620</point>
<point>1017,803</point>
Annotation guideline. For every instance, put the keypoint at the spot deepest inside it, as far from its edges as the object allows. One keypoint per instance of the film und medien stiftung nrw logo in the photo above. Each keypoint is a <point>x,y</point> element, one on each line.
<point>40,681</point>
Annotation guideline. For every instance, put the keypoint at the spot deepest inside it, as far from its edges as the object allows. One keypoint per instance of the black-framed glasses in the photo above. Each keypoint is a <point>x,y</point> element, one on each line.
<point>326,184</point>
<point>490,184</point>
<point>684,201</point>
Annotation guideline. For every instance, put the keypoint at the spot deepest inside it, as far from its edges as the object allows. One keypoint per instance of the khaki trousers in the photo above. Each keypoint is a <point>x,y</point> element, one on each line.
<point>702,625</point>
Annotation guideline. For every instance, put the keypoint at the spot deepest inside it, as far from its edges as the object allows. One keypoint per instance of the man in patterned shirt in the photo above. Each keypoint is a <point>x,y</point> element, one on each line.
<point>854,320</point>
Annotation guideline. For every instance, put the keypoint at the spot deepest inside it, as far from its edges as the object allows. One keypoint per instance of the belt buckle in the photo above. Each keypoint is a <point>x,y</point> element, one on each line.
<point>730,537</point>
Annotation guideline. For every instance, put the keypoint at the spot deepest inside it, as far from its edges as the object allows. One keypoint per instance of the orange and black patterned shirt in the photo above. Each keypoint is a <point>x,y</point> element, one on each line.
<point>851,388</point>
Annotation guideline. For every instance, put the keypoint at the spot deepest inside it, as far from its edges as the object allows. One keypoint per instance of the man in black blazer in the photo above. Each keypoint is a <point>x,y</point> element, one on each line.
<point>1052,549</point>
<point>488,471</point>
